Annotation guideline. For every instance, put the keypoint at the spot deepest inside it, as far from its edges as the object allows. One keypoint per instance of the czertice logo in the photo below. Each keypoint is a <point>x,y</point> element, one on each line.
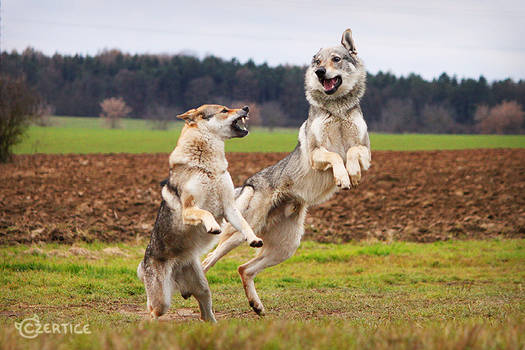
<point>30,328</point>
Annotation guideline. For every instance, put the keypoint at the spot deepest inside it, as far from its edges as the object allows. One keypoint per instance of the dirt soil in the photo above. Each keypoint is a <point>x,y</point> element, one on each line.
<point>414,196</point>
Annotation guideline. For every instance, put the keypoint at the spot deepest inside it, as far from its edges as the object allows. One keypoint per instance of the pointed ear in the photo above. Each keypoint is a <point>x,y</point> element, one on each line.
<point>348,42</point>
<point>189,116</point>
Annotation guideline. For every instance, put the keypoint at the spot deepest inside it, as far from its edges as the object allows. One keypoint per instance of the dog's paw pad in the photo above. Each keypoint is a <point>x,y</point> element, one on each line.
<point>256,243</point>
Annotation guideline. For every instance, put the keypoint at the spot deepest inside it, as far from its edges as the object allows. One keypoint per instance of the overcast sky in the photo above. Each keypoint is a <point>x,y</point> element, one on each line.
<point>465,38</point>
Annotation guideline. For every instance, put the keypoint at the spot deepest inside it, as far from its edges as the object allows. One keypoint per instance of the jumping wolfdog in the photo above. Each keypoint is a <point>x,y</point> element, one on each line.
<point>198,192</point>
<point>332,150</point>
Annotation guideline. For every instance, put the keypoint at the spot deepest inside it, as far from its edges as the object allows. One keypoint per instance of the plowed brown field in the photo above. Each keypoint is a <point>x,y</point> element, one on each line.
<point>415,196</point>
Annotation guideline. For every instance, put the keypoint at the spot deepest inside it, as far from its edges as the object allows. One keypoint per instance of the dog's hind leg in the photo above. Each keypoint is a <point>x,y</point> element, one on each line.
<point>191,281</point>
<point>281,242</point>
<point>267,257</point>
<point>254,209</point>
<point>140,271</point>
<point>234,240</point>
<point>156,276</point>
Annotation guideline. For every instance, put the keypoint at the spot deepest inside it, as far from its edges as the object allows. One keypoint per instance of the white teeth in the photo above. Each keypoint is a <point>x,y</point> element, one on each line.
<point>241,123</point>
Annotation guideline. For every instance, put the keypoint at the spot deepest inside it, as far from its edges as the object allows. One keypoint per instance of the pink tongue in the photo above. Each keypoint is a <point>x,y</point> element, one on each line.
<point>329,84</point>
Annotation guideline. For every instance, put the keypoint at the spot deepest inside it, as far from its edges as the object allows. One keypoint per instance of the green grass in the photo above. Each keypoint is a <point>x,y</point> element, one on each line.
<point>456,294</point>
<point>87,135</point>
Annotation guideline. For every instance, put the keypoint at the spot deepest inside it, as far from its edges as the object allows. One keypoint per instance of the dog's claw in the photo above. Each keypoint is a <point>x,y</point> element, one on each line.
<point>259,310</point>
<point>256,243</point>
<point>343,185</point>
<point>355,180</point>
<point>341,179</point>
<point>354,172</point>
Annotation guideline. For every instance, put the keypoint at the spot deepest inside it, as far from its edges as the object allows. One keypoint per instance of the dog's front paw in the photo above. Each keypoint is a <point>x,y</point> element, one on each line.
<point>214,228</point>
<point>256,243</point>
<point>342,180</point>
<point>365,162</point>
<point>354,172</point>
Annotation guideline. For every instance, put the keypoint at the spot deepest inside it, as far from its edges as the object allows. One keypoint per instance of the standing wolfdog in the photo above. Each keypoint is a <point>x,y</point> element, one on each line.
<point>198,192</point>
<point>332,150</point>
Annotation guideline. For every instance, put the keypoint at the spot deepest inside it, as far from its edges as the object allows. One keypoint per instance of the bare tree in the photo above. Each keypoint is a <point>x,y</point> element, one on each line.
<point>43,114</point>
<point>482,112</point>
<point>18,106</point>
<point>506,118</point>
<point>160,116</point>
<point>272,115</point>
<point>199,91</point>
<point>246,85</point>
<point>397,116</point>
<point>437,120</point>
<point>113,109</point>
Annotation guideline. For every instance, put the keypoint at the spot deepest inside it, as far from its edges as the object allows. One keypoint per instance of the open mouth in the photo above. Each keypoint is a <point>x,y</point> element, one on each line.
<point>239,125</point>
<point>331,85</point>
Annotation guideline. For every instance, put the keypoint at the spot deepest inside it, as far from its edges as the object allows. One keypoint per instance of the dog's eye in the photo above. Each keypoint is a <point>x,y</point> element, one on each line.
<point>317,61</point>
<point>336,59</point>
<point>224,110</point>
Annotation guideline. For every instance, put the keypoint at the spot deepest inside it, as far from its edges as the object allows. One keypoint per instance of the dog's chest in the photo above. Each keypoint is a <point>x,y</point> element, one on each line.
<point>211,198</point>
<point>336,134</point>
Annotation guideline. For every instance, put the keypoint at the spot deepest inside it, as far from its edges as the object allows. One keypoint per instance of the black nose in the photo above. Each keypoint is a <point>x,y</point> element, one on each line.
<point>246,109</point>
<point>320,72</point>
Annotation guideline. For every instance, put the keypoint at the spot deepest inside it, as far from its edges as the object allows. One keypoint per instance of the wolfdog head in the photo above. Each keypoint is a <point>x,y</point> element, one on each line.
<point>335,80</point>
<point>219,120</point>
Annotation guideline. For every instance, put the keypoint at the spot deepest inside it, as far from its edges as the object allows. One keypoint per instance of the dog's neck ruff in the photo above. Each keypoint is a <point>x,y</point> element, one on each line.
<point>340,107</point>
<point>201,150</point>
<point>343,115</point>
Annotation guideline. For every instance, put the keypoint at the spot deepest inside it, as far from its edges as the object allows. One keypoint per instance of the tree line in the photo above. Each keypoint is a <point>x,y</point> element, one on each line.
<point>156,86</point>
